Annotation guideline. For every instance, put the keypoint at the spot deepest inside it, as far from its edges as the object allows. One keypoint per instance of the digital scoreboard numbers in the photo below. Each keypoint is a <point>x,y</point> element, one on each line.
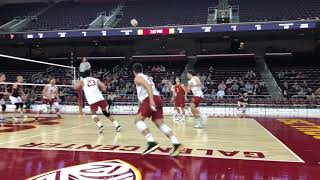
<point>175,30</point>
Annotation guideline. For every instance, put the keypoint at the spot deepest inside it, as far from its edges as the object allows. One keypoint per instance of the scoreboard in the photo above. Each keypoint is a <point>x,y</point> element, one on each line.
<point>167,30</point>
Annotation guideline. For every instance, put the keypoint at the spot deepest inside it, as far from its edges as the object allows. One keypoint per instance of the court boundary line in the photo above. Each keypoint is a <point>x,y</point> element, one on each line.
<point>45,134</point>
<point>278,140</point>
<point>161,154</point>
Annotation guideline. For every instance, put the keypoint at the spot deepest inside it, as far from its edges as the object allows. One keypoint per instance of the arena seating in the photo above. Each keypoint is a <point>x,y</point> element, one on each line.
<point>277,10</point>
<point>166,12</point>
<point>11,11</point>
<point>302,77</point>
<point>69,15</point>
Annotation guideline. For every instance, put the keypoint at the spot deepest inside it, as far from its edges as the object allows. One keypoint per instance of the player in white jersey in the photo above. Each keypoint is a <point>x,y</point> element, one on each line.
<point>194,85</point>
<point>3,93</point>
<point>151,106</point>
<point>91,87</point>
<point>50,95</point>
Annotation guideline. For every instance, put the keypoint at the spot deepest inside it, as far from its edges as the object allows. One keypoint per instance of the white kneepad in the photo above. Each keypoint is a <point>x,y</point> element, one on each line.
<point>164,128</point>
<point>141,125</point>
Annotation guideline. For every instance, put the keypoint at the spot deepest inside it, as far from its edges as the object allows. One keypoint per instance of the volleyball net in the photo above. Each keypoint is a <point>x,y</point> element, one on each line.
<point>36,74</point>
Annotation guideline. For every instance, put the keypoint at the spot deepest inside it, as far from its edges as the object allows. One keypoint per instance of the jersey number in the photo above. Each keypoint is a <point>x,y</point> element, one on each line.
<point>91,83</point>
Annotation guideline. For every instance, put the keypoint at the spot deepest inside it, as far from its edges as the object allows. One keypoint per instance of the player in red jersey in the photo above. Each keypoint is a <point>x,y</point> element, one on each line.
<point>50,95</point>
<point>179,98</point>
<point>151,106</point>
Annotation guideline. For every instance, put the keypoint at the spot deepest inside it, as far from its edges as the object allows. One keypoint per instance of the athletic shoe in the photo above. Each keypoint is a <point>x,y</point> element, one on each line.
<point>118,128</point>
<point>204,120</point>
<point>176,150</point>
<point>152,146</point>
<point>198,126</point>
<point>100,129</point>
<point>59,116</point>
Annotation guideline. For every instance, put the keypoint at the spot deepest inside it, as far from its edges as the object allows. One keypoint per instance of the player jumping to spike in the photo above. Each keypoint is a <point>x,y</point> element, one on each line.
<point>151,106</point>
<point>194,85</point>
<point>91,87</point>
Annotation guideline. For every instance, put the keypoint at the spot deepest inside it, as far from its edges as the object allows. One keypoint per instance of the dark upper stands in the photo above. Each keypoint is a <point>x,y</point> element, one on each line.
<point>11,11</point>
<point>277,10</point>
<point>69,15</point>
<point>73,15</point>
<point>166,12</point>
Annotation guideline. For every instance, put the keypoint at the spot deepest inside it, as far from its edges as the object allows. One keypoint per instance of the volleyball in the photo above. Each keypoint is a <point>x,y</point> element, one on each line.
<point>134,22</point>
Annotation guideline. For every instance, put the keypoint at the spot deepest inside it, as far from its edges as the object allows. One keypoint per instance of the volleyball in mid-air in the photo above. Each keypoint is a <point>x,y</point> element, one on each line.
<point>134,22</point>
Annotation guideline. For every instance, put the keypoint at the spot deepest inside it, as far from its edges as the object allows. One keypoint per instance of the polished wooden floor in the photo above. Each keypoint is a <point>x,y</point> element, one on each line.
<point>223,138</point>
<point>225,134</point>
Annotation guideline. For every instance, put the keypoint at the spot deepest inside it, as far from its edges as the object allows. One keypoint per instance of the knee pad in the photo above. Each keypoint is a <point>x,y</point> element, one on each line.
<point>43,108</point>
<point>55,106</point>
<point>164,128</point>
<point>17,105</point>
<point>106,113</point>
<point>141,126</point>
<point>4,107</point>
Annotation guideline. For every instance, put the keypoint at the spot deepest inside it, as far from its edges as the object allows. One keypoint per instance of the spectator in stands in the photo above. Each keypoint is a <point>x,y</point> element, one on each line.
<point>256,89</point>
<point>229,81</point>
<point>153,69</point>
<point>302,92</point>
<point>317,93</point>
<point>211,70</point>
<point>162,69</point>
<point>296,86</point>
<point>235,79</point>
<point>166,90</point>
<point>84,66</point>
<point>281,75</point>
<point>250,75</point>
<point>248,87</point>
<point>203,78</point>
<point>305,84</point>
<point>300,75</point>
<point>222,86</point>
<point>286,85</point>
<point>158,69</point>
<point>220,94</point>
<point>235,87</point>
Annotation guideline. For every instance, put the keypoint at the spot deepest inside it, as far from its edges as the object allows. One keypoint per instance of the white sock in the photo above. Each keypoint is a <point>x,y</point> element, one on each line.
<point>115,123</point>
<point>149,137</point>
<point>99,124</point>
<point>174,140</point>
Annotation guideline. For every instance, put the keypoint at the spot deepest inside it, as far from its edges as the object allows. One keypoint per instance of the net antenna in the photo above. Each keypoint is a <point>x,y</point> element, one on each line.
<point>41,62</point>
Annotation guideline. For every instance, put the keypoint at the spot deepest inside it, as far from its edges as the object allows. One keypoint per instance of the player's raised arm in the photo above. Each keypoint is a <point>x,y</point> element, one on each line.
<point>102,86</point>
<point>78,85</point>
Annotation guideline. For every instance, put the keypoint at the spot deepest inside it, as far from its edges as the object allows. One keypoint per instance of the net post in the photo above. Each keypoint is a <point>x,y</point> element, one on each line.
<point>80,101</point>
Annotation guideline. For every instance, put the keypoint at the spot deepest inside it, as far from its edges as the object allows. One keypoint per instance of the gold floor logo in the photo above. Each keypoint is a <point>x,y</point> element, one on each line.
<point>111,170</point>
